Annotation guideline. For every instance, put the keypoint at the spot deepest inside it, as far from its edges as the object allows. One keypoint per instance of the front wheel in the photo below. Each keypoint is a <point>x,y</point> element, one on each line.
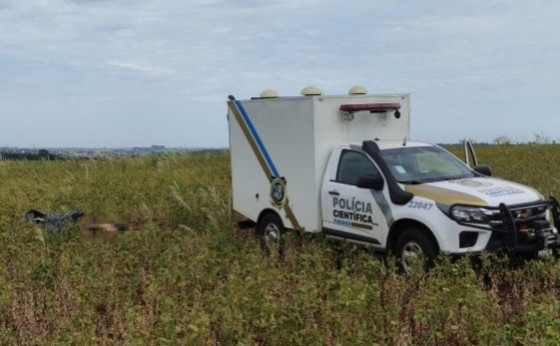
<point>415,250</point>
<point>271,228</point>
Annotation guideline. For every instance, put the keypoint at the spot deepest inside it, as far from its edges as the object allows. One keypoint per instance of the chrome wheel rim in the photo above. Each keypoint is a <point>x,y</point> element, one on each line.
<point>412,255</point>
<point>272,233</point>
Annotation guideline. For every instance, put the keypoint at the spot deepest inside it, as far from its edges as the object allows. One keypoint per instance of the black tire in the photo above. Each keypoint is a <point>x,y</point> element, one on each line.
<point>271,228</point>
<point>414,249</point>
<point>555,252</point>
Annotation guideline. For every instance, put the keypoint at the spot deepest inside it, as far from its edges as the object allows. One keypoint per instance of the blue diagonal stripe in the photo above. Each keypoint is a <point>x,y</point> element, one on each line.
<point>257,139</point>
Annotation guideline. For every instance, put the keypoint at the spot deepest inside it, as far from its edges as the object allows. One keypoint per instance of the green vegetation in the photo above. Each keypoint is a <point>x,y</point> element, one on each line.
<point>186,275</point>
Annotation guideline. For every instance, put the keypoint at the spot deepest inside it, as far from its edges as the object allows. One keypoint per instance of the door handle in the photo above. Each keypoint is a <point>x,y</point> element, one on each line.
<point>334,193</point>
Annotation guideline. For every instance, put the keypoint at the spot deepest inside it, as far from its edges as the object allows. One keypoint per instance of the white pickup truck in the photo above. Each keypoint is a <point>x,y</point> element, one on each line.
<point>344,166</point>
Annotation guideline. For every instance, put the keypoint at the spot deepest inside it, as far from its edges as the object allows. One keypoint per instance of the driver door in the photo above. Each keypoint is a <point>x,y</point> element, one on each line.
<point>349,211</point>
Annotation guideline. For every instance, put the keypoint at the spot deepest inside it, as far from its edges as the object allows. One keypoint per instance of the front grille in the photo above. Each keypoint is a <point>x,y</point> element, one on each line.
<point>531,216</point>
<point>524,227</point>
<point>526,218</point>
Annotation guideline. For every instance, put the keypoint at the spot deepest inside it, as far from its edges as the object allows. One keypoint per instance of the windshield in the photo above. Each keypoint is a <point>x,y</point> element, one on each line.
<point>416,165</point>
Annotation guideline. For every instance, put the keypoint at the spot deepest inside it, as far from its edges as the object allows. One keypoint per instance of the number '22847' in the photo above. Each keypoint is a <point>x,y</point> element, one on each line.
<point>420,205</point>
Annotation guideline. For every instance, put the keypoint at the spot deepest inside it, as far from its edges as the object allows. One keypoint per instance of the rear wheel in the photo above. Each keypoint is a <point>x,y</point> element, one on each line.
<point>271,228</point>
<point>415,250</point>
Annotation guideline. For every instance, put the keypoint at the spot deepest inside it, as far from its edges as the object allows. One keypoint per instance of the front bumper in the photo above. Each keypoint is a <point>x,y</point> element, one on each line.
<point>523,229</point>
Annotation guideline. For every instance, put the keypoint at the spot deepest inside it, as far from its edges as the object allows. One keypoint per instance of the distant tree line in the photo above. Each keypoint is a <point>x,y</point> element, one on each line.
<point>42,154</point>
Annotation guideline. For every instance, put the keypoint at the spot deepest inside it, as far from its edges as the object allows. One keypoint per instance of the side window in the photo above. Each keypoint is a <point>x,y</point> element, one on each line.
<point>353,165</point>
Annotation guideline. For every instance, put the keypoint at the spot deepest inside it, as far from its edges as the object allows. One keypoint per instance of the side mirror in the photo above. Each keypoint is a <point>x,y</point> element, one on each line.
<point>483,169</point>
<point>370,181</point>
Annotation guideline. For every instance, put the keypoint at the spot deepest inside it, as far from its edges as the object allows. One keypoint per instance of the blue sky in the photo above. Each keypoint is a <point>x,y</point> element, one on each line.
<point>123,73</point>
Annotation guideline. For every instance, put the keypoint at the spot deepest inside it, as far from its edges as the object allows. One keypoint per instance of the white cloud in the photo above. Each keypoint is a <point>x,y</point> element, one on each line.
<point>143,68</point>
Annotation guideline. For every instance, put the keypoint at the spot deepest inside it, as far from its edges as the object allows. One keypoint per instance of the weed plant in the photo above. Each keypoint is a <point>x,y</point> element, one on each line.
<point>184,274</point>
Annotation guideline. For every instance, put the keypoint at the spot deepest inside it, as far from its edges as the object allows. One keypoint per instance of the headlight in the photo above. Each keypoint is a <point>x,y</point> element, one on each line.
<point>475,215</point>
<point>470,214</point>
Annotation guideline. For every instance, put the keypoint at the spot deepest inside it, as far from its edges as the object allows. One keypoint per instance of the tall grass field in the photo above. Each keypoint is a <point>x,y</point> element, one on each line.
<point>184,274</point>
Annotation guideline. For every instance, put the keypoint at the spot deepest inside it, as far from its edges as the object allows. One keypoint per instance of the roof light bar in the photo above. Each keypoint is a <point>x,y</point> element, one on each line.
<point>372,107</point>
<point>349,109</point>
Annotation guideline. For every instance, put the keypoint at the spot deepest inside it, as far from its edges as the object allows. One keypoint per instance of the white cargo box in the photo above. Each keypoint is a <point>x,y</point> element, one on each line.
<point>292,137</point>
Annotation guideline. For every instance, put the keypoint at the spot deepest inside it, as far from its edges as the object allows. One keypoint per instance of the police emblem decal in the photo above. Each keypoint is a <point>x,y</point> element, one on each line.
<point>278,193</point>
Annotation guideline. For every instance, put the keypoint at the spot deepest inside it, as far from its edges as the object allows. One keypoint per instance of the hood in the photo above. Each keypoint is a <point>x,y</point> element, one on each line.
<point>481,191</point>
